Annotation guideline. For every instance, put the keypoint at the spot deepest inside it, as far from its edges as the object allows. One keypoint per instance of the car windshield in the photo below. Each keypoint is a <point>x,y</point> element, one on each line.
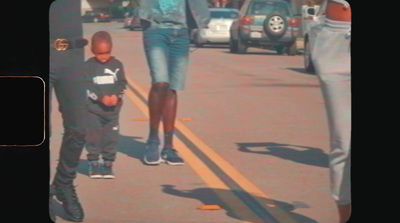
<point>224,14</point>
<point>265,8</point>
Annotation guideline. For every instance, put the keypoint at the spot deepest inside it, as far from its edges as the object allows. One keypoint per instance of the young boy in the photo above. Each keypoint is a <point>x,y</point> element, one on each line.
<point>106,85</point>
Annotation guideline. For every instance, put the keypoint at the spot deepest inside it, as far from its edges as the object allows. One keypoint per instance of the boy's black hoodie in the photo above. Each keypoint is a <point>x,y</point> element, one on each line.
<point>104,79</point>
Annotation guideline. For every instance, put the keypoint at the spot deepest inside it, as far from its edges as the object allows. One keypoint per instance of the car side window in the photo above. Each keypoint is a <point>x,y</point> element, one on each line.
<point>265,8</point>
<point>259,8</point>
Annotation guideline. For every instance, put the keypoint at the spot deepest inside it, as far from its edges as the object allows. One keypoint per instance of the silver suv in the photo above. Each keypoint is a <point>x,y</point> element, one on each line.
<point>265,23</point>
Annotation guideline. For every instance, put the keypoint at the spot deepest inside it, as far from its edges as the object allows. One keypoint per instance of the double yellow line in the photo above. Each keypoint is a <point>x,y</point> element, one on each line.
<point>242,210</point>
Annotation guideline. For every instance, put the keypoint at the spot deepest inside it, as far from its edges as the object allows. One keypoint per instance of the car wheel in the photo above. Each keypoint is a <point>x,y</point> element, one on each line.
<point>308,64</point>
<point>275,26</point>
<point>232,45</point>
<point>241,48</point>
<point>292,48</point>
<point>132,28</point>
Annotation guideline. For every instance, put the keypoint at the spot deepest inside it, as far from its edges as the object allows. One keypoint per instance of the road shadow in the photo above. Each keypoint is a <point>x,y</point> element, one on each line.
<point>305,155</point>
<point>301,70</point>
<point>130,146</point>
<point>254,53</point>
<point>209,196</point>
<point>83,167</point>
<point>134,30</point>
<point>215,46</point>
<point>127,145</point>
<point>285,85</point>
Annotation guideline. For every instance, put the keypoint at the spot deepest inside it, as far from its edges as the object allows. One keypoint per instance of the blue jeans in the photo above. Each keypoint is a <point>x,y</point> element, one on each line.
<point>167,53</point>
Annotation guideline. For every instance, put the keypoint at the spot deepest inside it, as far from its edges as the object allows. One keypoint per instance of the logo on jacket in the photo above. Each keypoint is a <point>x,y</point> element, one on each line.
<point>114,74</point>
<point>91,95</point>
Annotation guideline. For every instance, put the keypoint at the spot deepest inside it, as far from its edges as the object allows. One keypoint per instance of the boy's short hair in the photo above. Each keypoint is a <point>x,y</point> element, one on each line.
<point>101,37</point>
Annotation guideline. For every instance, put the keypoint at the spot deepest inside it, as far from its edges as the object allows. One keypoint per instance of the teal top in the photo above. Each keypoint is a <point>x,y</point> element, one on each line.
<point>192,14</point>
<point>169,14</point>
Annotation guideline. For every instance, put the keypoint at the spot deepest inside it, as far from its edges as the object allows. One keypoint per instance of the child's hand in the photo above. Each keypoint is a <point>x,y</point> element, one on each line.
<point>110,100</point>
<point>113,100</point>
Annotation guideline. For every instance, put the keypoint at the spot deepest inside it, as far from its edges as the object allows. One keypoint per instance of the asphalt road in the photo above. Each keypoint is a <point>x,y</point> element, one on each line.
<point>251,128</point>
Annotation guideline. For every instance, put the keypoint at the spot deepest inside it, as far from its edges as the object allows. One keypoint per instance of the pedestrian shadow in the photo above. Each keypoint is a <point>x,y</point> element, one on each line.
<point>266,52</point>
<point>300,154</point>
<point>130,146</point>
<point>285,85</point>
<point>83,167</point>
<point>135,30</point>
<point>214,46</point>
<point>301,70</point>
<point>210,196</point>
<point>126,144</point>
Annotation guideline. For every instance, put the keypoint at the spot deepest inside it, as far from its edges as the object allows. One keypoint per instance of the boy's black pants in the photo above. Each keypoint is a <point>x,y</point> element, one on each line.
<point>102,136</point>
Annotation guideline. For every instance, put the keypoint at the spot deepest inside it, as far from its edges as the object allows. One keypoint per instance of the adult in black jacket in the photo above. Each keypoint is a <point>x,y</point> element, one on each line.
<point>68,82</point>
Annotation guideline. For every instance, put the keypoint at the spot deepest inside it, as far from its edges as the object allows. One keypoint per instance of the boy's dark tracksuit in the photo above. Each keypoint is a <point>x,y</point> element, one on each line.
<point>103,129</point>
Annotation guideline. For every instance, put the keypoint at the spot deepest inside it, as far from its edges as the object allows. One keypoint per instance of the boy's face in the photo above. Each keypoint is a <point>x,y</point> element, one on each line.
<point>102,51</point>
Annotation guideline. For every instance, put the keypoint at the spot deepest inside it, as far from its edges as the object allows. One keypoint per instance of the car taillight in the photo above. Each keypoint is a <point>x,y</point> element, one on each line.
<point>246,20</point>
<point>103,16</point>
<point>294,22</point>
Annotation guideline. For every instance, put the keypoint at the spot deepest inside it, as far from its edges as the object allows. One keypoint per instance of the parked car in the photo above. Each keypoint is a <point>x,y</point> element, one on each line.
<point>128,18</point>
<point>309,13</point>
<point>135,23</point>
<point>265,23</point>
<point>131,21</point>
<point>93,16</point>
<point>218,28</point>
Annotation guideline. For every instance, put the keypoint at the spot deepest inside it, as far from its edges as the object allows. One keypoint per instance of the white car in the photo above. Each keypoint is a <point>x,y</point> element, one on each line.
<point>218,28</point>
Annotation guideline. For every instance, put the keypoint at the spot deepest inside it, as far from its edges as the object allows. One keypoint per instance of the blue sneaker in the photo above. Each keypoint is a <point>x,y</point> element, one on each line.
<point>108,172</point>
<point>170,156</point>
<point>152,154</point>
<point>95,170</point>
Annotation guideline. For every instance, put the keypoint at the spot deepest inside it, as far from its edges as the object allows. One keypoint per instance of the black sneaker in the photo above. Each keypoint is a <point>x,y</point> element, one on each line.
<point>67,195</point>
<point>95,170</point>
<point>170,156</point>
<point>152,154</point>
<point>107,170</point>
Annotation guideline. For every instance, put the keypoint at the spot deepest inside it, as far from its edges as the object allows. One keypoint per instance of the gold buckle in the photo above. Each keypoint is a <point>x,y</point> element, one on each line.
<point>61,44</point>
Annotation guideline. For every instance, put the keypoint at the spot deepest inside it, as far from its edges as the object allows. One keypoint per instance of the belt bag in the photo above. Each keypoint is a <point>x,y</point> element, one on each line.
<point>62,44</point>
<point>338,11</point>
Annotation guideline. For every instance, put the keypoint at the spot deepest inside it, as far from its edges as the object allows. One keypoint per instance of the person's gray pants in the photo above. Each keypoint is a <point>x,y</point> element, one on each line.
<point>331,58</point>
